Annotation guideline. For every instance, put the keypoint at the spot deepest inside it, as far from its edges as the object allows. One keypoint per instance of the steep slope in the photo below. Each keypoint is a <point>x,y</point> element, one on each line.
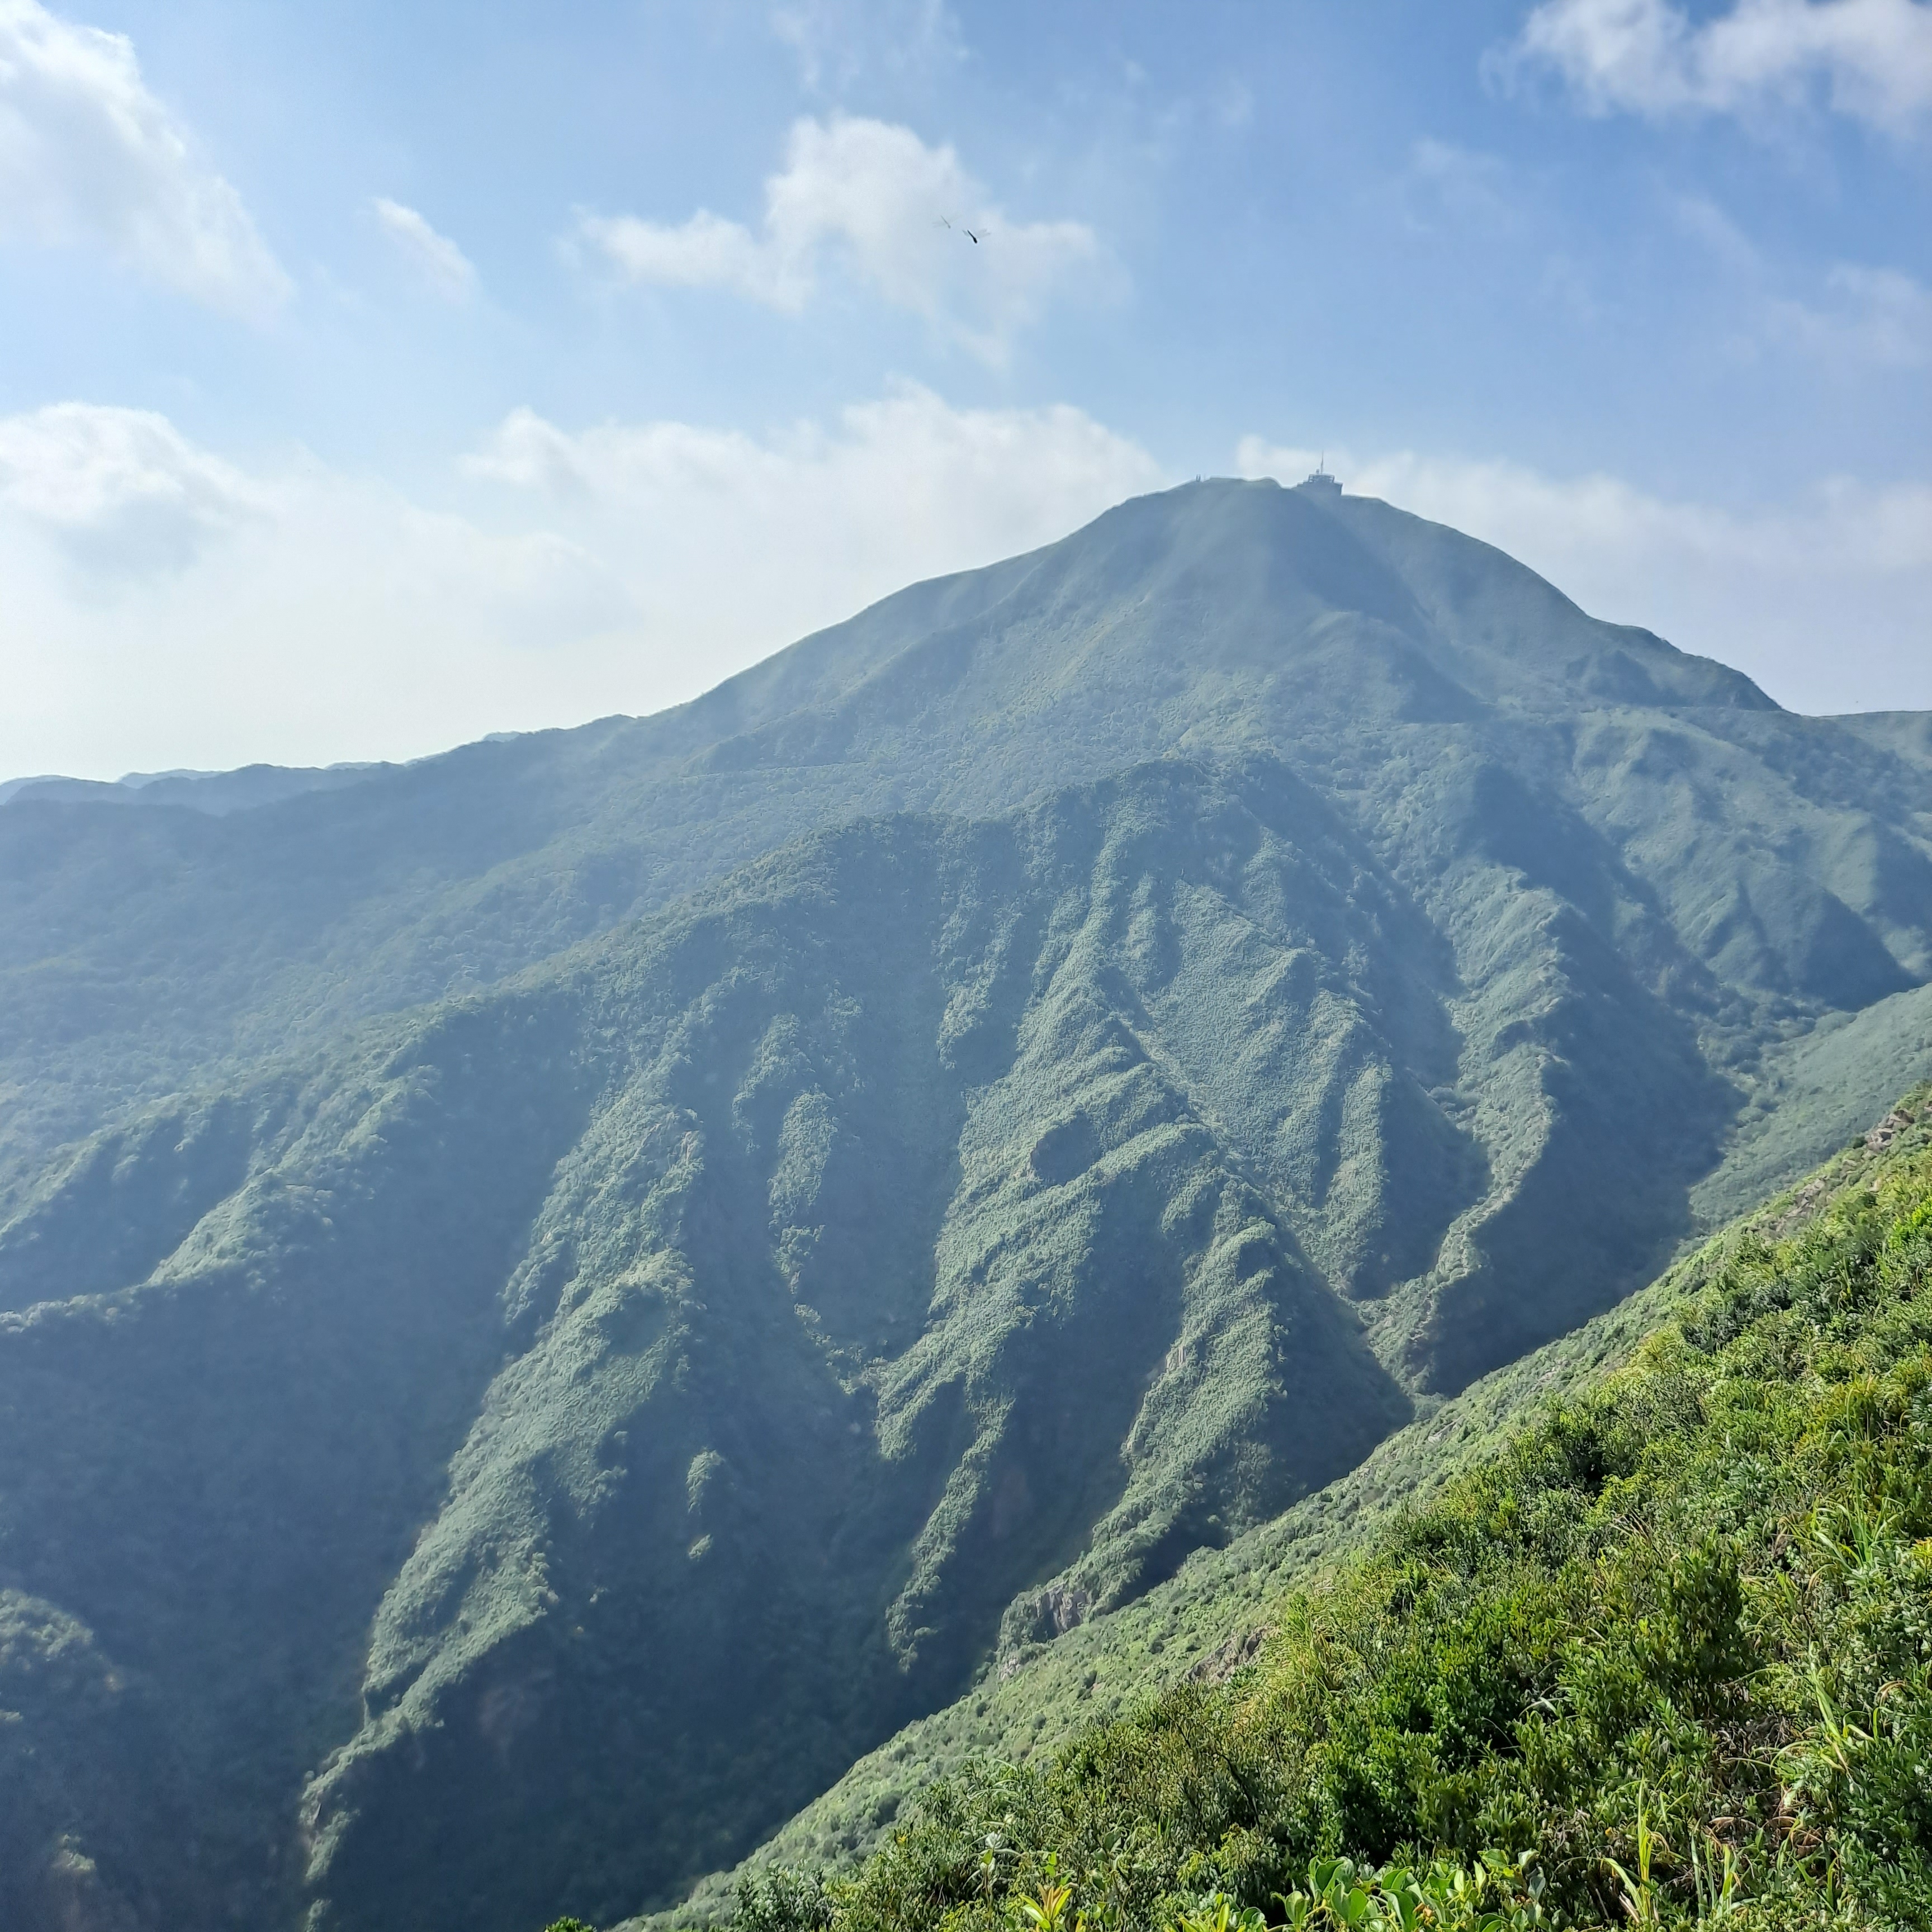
<point>803,1200</point>
<point>607,1272</point>
<point>1659,1658</point>
<point>1212,1619</point>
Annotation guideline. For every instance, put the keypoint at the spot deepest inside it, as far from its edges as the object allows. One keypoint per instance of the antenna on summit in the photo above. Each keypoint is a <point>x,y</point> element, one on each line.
<point>1321,483</point>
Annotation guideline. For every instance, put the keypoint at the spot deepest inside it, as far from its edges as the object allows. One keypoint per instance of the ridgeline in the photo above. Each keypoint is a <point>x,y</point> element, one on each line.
<point>555,1299</point>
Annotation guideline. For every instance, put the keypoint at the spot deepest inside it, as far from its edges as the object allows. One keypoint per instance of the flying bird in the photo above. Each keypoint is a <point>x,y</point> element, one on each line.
<point>941,222</point>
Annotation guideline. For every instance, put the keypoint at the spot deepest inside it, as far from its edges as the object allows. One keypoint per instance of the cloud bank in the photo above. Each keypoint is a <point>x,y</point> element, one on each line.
<point>1822,601</point>
<point>1871,59</point>
<point>898,216</point>
<point>89,157</point>
<point>168,607</point>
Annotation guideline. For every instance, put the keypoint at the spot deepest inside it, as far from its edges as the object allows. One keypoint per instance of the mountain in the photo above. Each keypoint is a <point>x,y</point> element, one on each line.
<point>1413,676</point>
<point>1211,1621</point>
<point>553,1297</point>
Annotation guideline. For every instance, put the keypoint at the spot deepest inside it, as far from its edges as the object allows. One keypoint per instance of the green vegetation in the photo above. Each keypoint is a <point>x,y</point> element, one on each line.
<point>1667,1660</point>
<point>1750,869</point>
<point>555,1299</point>
<point>1212,1615</point>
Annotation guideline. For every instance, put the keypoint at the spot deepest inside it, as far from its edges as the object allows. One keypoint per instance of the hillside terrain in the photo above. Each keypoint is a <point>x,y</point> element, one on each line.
<point>554,1298</point>
<point>1210,1618</point>
<point>1658,1655</point>
<point>1453,707</point>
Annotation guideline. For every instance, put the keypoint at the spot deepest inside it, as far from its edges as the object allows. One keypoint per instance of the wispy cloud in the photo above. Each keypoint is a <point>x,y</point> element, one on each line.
<point>1868,318</point>
<point>1774,590</point>
<point>837,42</point>
<point>1447,186</point>
<point>899,216</point>
<point>435,257</point>
<point>1852,317</point>
<point>1723,241</point>
<point>1870,59</point>
<point>88,155</point>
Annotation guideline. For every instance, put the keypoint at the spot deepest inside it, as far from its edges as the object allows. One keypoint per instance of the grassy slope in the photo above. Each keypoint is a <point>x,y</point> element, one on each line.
<point>1814,1092</point>
<point>1208,1620</point>
<point>1692,1594</point>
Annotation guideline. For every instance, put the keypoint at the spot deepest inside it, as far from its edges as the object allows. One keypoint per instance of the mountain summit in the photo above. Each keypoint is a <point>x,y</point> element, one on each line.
<point>555,1296</point>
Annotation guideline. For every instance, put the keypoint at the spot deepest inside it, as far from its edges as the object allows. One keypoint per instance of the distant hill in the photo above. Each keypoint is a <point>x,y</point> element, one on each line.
<point>215,792</point>
<point>553,1297</point>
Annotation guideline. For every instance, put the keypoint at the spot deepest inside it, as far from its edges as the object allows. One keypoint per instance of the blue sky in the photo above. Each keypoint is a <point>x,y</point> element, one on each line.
<point>376,376</point>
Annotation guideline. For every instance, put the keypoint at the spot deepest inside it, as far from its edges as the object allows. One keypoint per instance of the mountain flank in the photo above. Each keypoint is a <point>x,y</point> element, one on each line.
<point>553,1298</point>
<point>1604,1674</point>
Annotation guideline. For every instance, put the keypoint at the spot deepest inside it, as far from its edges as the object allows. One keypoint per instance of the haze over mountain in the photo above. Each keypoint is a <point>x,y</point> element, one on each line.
<point>557,1294</point>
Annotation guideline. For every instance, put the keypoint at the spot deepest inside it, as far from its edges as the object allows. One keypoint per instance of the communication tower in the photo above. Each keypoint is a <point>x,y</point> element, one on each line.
<point>1319,483</point>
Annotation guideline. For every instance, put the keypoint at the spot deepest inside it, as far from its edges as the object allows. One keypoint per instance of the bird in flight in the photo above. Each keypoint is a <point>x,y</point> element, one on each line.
<point>943,223</point>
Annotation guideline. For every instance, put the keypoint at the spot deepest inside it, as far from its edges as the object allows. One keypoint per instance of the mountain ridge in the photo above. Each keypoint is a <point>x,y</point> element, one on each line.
<point>671,1245</point>
<point>363,933</point>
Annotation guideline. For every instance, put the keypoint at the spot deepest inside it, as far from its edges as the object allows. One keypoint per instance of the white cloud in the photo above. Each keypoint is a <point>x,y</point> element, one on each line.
<point>899,216</point>
<point>837,42</point>
<point>160,596</point>
<point>295,613</point>
<point>1871,59</point>
<point>705,252</point>
<point>1871,316</point>
<point>122,491</point>
<point>435,257</point>
<point>1822,601</point>
<point>88,156</point>
<point>749,541</point>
